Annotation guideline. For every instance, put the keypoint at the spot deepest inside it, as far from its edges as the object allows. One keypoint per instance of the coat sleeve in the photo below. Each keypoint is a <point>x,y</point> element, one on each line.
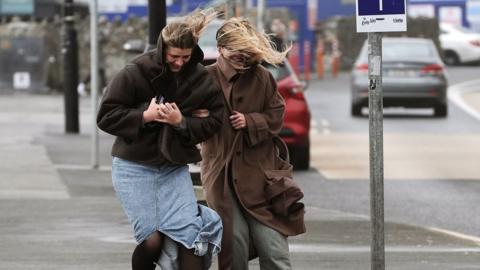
<point>118,113</point>
<point>268,122</point>
<point>199,129</point>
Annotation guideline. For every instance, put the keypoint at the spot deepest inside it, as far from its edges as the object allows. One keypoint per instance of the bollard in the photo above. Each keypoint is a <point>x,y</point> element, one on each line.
<point>335,65</point>
<point>335,60</point>
<point>320,60</point>
<point>306,61</point>
<point>70,58</point>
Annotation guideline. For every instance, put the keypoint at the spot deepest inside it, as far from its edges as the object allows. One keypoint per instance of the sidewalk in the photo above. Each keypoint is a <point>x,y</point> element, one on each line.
<point>57,213</point>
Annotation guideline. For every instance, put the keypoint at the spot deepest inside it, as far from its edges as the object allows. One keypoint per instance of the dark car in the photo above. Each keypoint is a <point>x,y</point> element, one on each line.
<point>413,76</point>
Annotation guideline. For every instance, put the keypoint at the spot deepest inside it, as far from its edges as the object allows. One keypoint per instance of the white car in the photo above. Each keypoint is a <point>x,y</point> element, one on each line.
<point>460,45</point>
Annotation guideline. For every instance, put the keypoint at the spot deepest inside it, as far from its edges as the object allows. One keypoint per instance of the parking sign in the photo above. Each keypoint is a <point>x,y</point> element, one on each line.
<point>381,15</point>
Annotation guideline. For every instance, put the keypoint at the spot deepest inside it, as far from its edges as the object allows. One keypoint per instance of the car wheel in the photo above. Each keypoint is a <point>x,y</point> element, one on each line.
<point>356,110</point>
<point>440,110</point>
<point>300,156</point>
<point>451,58</point>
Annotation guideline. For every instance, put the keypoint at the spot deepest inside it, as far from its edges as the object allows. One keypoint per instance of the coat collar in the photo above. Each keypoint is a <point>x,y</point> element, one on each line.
<point>226,68</point>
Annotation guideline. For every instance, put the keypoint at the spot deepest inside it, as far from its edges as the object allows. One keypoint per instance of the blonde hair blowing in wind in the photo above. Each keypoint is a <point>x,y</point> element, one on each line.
<point>240,36</point>
<point>184,32</point>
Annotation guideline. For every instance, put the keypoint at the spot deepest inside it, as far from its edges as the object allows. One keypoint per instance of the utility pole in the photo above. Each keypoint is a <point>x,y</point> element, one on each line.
<point>157,19</point>
<point>260,14</point>
<point>70,53</point>
<point>94,82</point>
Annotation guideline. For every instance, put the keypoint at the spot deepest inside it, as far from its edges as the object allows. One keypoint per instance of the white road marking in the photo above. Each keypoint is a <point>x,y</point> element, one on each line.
<point>322,248</point>
<point>79,167</point>
<point>331,248</point>
<point>456,234</point>
<point>456,92</point>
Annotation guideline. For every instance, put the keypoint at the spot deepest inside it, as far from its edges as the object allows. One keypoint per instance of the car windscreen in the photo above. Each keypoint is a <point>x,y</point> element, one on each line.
<point>405,51</point>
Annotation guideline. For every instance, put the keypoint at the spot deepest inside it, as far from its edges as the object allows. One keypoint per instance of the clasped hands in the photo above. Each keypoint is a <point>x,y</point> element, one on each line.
<point>166,112</point>
<point>169,113</point>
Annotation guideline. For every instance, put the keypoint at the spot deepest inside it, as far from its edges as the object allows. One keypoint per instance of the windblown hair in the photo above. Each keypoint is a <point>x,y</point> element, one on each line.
<point>184,32</point>
<point>239,35</point>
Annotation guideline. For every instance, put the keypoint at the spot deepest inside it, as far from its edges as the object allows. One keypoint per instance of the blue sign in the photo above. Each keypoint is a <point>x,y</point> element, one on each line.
<point>381,15</point>
<point>380,7</point>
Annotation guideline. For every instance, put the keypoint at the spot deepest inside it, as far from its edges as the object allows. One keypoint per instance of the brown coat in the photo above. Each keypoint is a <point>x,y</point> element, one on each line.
<point>248,152</point>
<point>129,94</point>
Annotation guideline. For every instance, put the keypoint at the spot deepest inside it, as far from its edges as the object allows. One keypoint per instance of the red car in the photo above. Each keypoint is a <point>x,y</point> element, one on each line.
<point>296,124</point>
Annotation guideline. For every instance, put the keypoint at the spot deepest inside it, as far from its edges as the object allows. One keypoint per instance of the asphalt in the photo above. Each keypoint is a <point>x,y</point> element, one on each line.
<point>59,213</point>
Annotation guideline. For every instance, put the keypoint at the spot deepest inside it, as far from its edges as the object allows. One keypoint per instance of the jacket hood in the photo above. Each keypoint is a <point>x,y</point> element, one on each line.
<point>152,63</point>
<point>197,53</point>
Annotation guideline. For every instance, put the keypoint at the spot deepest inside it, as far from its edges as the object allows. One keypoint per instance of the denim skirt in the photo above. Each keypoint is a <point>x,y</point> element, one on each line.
<point>162,199</point>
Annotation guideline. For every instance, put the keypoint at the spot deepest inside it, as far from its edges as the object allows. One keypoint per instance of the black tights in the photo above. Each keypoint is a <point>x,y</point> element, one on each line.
<point>188,260</point>
<point>147,253</point>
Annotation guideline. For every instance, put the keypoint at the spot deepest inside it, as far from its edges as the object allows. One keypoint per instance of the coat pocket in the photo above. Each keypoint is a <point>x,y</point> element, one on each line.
<point>282,192</point>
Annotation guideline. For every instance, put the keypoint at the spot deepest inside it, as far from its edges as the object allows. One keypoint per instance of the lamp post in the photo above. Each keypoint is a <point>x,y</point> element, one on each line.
<point>157,19</point>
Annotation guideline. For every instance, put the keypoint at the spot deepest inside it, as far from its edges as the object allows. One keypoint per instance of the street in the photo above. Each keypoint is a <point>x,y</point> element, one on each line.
<point>57,213</point>
<point>431,164</point>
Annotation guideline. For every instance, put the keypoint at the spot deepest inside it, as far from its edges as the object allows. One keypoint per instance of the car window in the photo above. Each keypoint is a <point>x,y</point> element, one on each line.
<point>279,72</point>
<point>402,51</point>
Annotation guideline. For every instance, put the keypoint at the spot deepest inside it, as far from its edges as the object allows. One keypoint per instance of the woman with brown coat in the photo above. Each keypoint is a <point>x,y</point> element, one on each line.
<point>236,159</point>
<point>152,107</point>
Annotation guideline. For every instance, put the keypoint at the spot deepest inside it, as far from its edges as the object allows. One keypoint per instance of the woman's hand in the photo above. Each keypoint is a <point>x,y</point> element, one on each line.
<point>169,113</point>
<point>150,114</point>
<point>237,120</point>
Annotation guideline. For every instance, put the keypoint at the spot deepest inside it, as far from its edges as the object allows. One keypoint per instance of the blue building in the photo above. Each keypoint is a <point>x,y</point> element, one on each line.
<point>306,13</point>
<point>298,9</point>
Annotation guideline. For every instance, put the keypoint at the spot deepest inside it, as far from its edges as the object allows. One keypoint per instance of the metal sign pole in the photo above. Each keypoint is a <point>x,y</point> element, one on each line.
<point>375,105</point>
<point>94,80</point>
<point>375,17</point>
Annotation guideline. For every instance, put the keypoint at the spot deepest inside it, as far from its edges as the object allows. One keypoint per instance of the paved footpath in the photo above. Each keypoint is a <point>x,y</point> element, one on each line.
<point>57,213</point>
